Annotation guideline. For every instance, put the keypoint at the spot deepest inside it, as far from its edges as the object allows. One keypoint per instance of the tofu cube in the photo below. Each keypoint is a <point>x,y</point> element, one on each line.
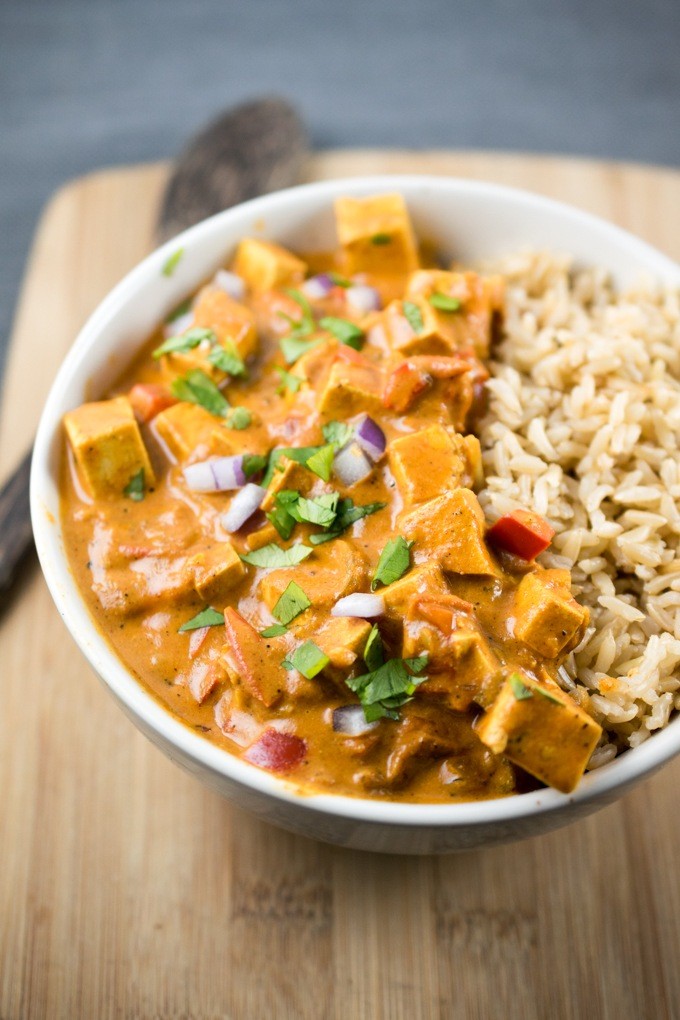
<point>405,340</point>
<point>350,389</point>
<point>263,536</point>
<point>480,297</point>
<point>376,235</point>
<point>265,265</point>
<point>547,618</point>
<point>335,569</point>
<point>343,640</point>
<point>450,530</point>
<point>289,475</point>
<point>427,463</point>
<point>427,582</point>
<point>228,319</point>
<point>462,669</point>
<point>107,446</point>
<point>216,571</point>
<point>543,731</point>
<point>182,428</point>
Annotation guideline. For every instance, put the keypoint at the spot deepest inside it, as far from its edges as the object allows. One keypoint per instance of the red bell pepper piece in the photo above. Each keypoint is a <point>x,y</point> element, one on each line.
<point>148,400</point>
<point>403,386</point>
<point>277,751</point>
<point>523,533</point>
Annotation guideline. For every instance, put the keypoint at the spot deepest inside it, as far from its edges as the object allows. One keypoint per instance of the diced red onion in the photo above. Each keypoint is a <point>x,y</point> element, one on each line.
<point>243,506</point>
<point>231,284</point>
<point>196,640</point>
<point>220,474</point>
<point>180,324</point>
<point>317,287</point>
<point>360,605</point>
<point>363,299</point>
<point>370,437</point>
<point>276,751</point>
<point>351,464</point>
<point>351,721</point>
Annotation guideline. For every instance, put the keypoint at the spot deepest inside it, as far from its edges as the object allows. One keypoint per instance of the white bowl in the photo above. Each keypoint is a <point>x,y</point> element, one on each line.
<point>472,220</point>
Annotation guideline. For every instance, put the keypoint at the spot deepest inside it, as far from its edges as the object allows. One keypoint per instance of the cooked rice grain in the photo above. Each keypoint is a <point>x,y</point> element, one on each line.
<point>584,428</point>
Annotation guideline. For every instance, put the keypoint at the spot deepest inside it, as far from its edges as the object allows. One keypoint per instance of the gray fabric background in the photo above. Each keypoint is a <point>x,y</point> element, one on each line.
<point>88,83</point>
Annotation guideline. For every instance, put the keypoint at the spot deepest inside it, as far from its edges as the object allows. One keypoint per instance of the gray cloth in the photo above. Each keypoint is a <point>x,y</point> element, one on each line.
<point>88,83</point>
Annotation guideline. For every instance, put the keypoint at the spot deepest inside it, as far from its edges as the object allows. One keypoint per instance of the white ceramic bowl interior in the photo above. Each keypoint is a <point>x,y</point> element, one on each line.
<point>466,219</point>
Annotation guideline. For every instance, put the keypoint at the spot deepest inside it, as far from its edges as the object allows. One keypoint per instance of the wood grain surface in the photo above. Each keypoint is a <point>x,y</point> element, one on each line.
<point>128,890</point>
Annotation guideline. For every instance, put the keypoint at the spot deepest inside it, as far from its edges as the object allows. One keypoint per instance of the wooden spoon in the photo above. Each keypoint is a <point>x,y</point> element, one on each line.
<point>250,150</point>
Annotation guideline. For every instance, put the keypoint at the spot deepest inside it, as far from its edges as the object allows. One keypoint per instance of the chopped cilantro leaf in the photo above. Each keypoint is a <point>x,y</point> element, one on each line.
<point>384,690</point>
<point>444,302</point>
<point>395,560</point>
<point>374,652</point>
<point>289,383</point>
<point>347,513</point>
<point>206,618</point>
<point>181,309</point>
<point>337,432</point>
<point>414,315</point>
<point>293,347</point>
<point>276,630</point>
<point>519,688</point>
<point>238,418</point>
<point>321,462</point>
<point>318,510</point>
<point>184,342</point>
<point>253,463</point>
<point>381,239</point>
<point>301,454</point>
<point>308,659</point>
<point>226,357</point>
<point>273,555</point>
<point>171,263</point>
<point>292,602</point>
<point>135,487</point>
<point>340,281</point>
<point>343,330</point>
<point>198,388</point>
<point>280,516</point>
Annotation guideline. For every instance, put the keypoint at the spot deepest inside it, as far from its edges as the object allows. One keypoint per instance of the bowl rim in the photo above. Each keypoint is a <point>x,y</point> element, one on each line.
<point>602,783</point>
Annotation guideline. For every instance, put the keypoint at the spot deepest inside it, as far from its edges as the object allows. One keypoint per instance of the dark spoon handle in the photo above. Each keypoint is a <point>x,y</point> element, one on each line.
<point>16,535</point>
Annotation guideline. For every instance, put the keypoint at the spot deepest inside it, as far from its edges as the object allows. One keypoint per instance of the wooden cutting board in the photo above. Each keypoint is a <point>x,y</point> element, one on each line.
<point>129,890</point>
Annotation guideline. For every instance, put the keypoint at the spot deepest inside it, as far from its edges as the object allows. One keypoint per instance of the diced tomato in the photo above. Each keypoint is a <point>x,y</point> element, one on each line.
<point>403,386</point>
<point>277,751</point>
<point>523,533</point>
<point>148,400</point>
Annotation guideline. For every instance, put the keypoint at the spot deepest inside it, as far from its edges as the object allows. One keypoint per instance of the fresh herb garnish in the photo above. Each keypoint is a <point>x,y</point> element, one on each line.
<point>135,487</point>
<point>171,263</point>
<point>522,691</point>
<point>238,418</point>
<point>413,315</point>
<point>343,330</point>
<point>289,382</point>
<point>444,302</point>
<point>308,659</point>
<point>347,514</point>
<point>291,603</point>
<point>184,342</point>
<point>293,347</point>
<point>337,432</point>
<point>395,560</point>
<point>319,510</point>
<point>321,462</point>
<point>339,281</point>
<point>280,516</point>
<point>198,388</point>
<point>381,239</point>
<point>226,357</point>
<point>273,555</point>
<point>276,630</point>
<point>384,690</point>
<point>301,454</point>
<point>206,618</point>
<point>374,652</point>
<point>253,463</point>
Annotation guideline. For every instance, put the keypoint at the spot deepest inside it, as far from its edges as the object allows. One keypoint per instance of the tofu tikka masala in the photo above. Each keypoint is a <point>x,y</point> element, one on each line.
<point>274,521</point>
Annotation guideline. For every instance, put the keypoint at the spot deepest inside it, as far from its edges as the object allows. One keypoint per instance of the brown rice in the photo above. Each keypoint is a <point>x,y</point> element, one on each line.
<point>584,428</point>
